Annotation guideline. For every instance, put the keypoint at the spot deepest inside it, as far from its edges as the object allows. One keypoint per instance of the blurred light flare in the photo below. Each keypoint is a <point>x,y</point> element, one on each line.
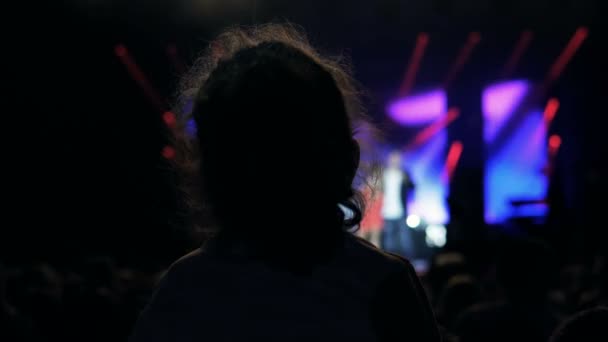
<point>168,152</point>
<point>555,142</point>
<point>436,235</point>
<point>413,221</point>
<point>191,128</point>
<point>120,50</point>
<point>169,119</point>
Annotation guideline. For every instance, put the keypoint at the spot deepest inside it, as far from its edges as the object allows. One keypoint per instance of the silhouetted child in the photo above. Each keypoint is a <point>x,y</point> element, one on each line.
<point>273,160</point>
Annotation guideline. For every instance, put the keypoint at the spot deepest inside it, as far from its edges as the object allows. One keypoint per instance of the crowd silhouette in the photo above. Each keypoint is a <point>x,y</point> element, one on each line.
<point>101,301</point>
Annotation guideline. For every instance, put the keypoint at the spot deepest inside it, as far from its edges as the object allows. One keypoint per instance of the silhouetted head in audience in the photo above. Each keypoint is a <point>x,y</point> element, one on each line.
<point>586,326</point>
<point>274,157</point>
<point>525,269</point>
<point>460,293</point>
<point>444,266</point>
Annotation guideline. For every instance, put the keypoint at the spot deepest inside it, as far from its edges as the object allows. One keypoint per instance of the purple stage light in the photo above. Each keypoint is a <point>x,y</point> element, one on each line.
<point>425,165</point>
<point>513,170</point>
<point>425,161</point>
<point>419,109</point>
<point>498,103</point>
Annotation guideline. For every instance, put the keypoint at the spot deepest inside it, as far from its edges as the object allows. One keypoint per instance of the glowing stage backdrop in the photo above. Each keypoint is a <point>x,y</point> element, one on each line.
<point>425,158</point>
<point>516,153</point>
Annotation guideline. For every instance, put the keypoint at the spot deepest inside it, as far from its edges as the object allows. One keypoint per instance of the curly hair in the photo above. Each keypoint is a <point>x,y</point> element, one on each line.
<point>225,81</point>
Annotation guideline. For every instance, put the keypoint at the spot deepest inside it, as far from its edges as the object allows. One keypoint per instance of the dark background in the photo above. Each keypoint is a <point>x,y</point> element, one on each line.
<point>85,172</point>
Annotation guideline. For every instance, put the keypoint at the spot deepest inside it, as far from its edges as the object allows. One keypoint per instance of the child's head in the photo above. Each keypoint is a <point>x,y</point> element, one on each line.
<point>275,124</point>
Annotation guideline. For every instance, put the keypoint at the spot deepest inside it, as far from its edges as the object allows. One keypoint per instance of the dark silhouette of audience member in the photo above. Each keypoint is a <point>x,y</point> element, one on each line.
<point>13,327</point>
<point>598,293</point>
<point>586,326</point>
<point>444,266</point>
<point>524,271</point>
<point>460,293</point>
<point>276,160</point>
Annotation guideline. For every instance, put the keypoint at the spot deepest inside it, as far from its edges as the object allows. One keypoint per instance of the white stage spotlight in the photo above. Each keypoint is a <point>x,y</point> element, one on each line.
<point>436,235</point>
<point>413,221</point>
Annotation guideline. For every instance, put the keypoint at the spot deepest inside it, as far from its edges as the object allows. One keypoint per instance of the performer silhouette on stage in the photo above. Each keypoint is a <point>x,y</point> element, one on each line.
<point>397,184</point>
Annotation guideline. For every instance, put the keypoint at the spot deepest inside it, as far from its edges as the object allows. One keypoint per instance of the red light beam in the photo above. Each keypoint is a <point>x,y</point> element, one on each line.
<point>564,58</point>
<point>452,160</point>
<point>434,128</point>
<point>414,64</point>
<point>551,110</point>
<point>138,76</point>
<point>461,60</point>
<point>168,152</point>
<point>555,142</point>
<point>169,119</point>
<point>522,45</point>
